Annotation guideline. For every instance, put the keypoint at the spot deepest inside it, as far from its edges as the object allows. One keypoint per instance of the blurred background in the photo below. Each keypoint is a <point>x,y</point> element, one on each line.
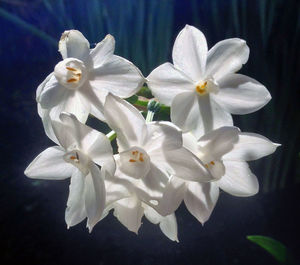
<point>32,228</point>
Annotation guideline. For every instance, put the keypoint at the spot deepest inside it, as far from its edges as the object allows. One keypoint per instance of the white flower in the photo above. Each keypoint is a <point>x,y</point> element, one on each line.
<point>123,196</point>
<point>149,151</point>
<point>224,152</point>
<point>80,148</point>
<point>81,81</point>
<point>202,87</point>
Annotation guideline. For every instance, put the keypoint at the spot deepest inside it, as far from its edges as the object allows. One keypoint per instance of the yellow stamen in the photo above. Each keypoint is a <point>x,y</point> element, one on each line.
<point>72,80</point>
<point>132,160</point>
<point>71,69</point>
<point>141,158</point>
<point>201,89</point>
<point>212,163</point>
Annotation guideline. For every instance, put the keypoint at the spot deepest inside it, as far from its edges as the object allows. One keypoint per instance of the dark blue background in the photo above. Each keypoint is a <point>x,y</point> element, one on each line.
<point>32,228</point>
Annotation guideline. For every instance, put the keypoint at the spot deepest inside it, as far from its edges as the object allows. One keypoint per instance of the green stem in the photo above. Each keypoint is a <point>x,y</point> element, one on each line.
<point>111,135</point>
<point>150,115</point>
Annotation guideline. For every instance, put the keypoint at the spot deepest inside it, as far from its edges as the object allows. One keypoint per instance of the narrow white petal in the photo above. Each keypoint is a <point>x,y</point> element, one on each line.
<point>190,52</point>
<point>185,112</point>
<point>94,196</point>
<point>184,164</point>
<point>115,190</point>
<point>198,114</point>
<point>172,196</point>
<point>126,121</point>
<point>226,57</point>
<point>165,82</point>
<point>162,135</point>
<point>96,98</point>
<point>240,94</point>
<point>118,76</point>
<point>219,142</point>
<point>167,224</point>
<point>251,146</point>
<point>52,94</point>
<point>129,212</point>
<point>75,212</point>
<point>200,199</point>
<point>44,114</point>
<point>50,165</point>
<point>238,180</point>
<point>41,87</point>
<point>103,51</point>
<point>73,44</point>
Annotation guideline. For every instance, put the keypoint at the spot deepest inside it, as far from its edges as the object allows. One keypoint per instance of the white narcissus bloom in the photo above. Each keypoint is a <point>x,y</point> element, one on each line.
<point>201,86</point>
<point>149,151</point>
<point>81,81</point>
<point>81,148</point>
<point>224,152</point>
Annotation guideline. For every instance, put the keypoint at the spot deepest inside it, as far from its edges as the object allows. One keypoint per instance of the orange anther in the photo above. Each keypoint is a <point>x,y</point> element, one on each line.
<point>212,163</point>
<point>73,157</point>
<point>71,69</point>
<point>206,165</point>
<point>141,158</point>
<point>72,80</point>
<point>132,160</point>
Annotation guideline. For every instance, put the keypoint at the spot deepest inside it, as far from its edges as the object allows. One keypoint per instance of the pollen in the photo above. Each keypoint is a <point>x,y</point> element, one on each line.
<point>212,163</point>
<point>71,69</point>
<point>73,157</point>
<point>141,158</point>
<point>72,80</point>
<point>132,160</point>
<point>201,88</point>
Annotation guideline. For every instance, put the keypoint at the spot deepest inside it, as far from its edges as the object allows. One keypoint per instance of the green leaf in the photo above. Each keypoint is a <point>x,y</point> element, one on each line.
<point>274,247</point>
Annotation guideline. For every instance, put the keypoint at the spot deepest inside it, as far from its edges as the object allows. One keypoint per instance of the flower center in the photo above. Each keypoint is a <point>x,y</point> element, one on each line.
<point>79,160</point>
<point>135,162</point>
<point>71,73</point>
<point>206,86</point>
<point>201,88</point>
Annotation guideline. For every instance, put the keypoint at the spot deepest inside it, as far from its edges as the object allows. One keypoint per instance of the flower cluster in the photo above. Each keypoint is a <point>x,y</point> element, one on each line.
<point>159,164</point>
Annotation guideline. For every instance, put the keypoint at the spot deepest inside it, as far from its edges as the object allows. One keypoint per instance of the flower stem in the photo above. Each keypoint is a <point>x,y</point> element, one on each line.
<point>111,135</point>
<point>150,115</point>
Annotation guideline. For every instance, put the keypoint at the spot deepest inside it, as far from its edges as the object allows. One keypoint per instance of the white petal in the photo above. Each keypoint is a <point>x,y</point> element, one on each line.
<point>50,165</point>
<point>190,52</point>
<point>238,179</point>
<point>155,181</point>
<point>219,142</point>
<point>226,57</point>
<point>75,212</point>
<point>167,224</point>
<point>118,76</point>
<point>41,87</point>
<point>240,94</point>
<point>129,212</point>
<point>96,99</point>
<point>115,190</point>
<point>172,196</point>
<point>162,135</point>
<point>184,164</point>
<point>198,114</point>
<point>93,143</point>
<point>103,51</point>
<point>52,93</point>
<point>126,121</point>
<point>73,44</point>
<point>200,199</point>
<point>94,196</point>
<point>165,82</point>
<point>44,114</point>
<point>251,146</point>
